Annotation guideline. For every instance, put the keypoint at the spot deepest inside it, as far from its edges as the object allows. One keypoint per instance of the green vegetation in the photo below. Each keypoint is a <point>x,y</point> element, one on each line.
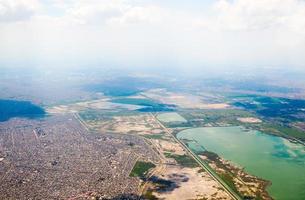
<point>178,125</point>
<point>291,132</point>
<point>279,130</point>
<point>141,169</point>
<point>149,195</point>
<point>287,110</point>
<point>228,179</point>
<point>171,117</point>
<point>155,136</point>
<point>135,101</point>
<point>277,113</point>
<point>183,160</point>
<point>258,152</point>
<point>220,116</point>
<point>90,114</point>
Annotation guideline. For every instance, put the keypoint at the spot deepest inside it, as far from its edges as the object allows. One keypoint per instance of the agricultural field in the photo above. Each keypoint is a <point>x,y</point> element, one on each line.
<point>140,169</point>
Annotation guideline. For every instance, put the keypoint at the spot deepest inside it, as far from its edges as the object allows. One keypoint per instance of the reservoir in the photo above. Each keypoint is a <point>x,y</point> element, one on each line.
<point>14,108</point>
<point>269,157</point>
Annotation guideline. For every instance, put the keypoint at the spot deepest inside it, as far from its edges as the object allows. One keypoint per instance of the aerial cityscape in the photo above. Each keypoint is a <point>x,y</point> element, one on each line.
<point>132,100</point>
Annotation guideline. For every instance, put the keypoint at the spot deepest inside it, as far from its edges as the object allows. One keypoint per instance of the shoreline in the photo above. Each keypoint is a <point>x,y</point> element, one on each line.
<point>247,185</point>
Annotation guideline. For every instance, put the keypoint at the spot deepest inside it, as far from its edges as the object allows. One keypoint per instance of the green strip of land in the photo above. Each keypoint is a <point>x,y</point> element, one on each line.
<point>141,169</point>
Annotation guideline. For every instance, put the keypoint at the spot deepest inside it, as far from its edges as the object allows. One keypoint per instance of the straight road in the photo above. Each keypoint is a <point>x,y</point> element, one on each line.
<point>232,193</point>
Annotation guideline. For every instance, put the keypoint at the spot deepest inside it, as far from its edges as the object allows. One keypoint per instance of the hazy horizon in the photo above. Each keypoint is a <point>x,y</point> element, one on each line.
<point>152,99</point>
<point>133,34</point>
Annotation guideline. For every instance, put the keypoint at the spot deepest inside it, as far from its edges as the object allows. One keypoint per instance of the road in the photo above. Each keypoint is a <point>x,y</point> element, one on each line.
<point>205,166</point>
<point>232,193</point>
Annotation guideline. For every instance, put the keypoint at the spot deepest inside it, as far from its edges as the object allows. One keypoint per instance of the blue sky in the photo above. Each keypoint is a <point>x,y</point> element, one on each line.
<point>148,33</point>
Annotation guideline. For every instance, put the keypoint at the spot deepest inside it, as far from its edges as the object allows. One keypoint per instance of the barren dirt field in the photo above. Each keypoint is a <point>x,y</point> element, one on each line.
<point>183,100</point>
<point>103,103</point>
<point>249,120</point>
<point>190,184</point>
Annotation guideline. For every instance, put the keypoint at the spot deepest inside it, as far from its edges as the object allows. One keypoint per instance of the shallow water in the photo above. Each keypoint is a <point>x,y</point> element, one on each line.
<point>269,157</point>
<point>171,117</point>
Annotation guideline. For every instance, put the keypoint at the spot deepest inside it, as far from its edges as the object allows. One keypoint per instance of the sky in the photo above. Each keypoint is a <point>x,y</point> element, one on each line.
<point>153,33</point>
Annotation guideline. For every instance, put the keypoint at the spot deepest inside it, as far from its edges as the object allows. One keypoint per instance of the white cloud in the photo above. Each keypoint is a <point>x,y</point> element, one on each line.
<point>140,14</point>
<point>115,12</point>
<point>229,32</point>
<point>248,15</point>
<point>17,10</point>
<point>95,11</point>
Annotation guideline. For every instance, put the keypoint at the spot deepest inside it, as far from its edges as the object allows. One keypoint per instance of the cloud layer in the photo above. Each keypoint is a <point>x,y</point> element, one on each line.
<point>20,10</point>
<point>146,33</point>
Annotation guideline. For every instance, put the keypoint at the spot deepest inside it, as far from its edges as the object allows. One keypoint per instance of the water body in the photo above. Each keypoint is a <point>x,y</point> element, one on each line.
<point>171,117</point>
<point>148,105</point>
<point>12,108</point>
<point>269,157</point>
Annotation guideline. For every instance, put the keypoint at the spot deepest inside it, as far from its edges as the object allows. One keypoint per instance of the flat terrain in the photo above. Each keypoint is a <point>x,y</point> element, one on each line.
<point>190,183</point>
<point>258,153</point>
<point>56,158</point>
<point>175,173</point>
<point>116,138</point>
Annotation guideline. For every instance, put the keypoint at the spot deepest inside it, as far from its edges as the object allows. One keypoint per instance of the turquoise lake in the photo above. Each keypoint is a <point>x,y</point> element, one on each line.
<point>269,157</point>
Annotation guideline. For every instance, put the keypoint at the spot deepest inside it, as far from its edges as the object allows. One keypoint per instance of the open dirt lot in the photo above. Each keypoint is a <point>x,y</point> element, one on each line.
<point>183,100</point>
<point>249,120</point>
<point>142,124</point>
<point>170,146</point>
<point>190,184</point>
<point>95,104</point>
